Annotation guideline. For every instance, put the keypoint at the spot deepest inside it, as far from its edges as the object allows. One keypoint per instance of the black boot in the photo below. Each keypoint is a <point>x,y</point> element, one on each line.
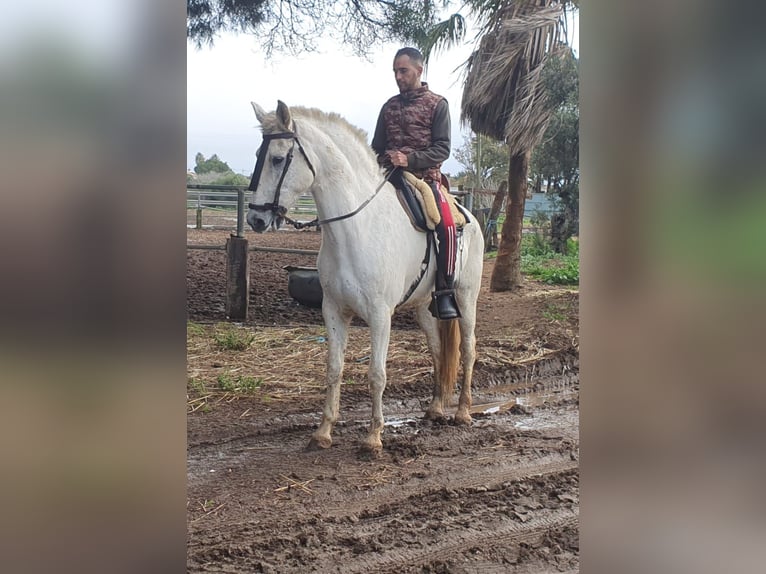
<point>444,305</point>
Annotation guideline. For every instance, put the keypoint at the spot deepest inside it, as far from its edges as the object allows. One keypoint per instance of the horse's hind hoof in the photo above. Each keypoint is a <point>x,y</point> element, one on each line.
<point>319,443</point>
<point>463,419</point>
<point>370,452</point>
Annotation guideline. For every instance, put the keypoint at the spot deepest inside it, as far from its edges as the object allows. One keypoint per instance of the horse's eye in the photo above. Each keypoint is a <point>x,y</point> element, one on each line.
<point>276,160</point>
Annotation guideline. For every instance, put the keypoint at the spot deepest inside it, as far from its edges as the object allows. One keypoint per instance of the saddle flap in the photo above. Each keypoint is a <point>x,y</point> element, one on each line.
<point>413,208</point>
<point>425,197</point>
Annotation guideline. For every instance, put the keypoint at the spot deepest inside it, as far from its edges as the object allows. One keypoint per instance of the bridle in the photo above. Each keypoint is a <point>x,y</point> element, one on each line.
<point>280,211</point>
<point>274,207</point>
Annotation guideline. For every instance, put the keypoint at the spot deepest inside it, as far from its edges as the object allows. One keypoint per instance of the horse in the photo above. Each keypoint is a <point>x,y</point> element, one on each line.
<point>371,261</point>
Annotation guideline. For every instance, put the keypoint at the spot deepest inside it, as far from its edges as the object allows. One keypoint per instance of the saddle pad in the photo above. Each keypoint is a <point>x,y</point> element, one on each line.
<point>425,197</point>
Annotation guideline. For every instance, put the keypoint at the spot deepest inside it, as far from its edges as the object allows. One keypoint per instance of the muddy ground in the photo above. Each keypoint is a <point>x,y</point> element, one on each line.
<point>500,496</point>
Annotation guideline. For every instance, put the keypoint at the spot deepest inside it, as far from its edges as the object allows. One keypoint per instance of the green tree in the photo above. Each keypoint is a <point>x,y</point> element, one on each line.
<point>295,25</point>
<point>488,156</point>
<point>504,95</point>
<point>557,159</point>
<point>231,178</point>
<point>214,164</point>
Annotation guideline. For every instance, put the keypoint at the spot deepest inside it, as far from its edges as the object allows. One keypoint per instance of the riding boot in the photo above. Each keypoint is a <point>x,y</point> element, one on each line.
<point>444,303</point>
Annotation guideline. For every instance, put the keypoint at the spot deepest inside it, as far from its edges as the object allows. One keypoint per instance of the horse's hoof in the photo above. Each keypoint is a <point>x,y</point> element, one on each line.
<point>463,418</point>
<point>319,443</point>
<point>434,415</point>
<point>371,451</point>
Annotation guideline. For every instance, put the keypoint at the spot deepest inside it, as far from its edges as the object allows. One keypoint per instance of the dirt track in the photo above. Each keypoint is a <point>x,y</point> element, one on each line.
<point>501,496</point>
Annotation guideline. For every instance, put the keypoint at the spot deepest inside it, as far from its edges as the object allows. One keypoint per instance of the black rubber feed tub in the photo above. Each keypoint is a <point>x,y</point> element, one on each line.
<point>303,285</point>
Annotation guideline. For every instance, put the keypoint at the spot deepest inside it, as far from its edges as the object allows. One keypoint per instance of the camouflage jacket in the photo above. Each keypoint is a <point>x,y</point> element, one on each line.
<point>416,123</point>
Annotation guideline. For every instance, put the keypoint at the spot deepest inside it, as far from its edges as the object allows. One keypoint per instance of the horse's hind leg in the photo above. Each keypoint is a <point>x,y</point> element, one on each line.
<point>467,323</point>
<point>430,326</point>
<point>468,356</point>
<point>337,324</point>
<point>380,334</point>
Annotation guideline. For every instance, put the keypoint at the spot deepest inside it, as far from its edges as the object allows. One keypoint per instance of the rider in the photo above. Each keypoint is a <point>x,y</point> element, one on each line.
<point>413,133</point>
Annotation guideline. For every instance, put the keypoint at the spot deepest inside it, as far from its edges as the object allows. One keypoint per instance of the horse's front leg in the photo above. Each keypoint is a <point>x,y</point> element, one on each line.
<point>380,334</point>
<point>337,324</point>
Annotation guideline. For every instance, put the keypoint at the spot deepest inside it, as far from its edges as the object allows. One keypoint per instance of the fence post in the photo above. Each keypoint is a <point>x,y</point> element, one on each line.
<point>237,278</point>
<point>240,212</point>
<point>468,201</point>
<point>199,211</point>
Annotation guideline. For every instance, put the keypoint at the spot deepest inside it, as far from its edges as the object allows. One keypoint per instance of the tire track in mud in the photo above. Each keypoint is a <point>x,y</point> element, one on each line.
<point>441,498</point>
<point>395,562</point>
<point>408,533</point>
<point>449,491</point>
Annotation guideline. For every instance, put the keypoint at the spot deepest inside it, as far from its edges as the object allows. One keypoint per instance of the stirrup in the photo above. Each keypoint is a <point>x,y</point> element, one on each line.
<point>444,305</point>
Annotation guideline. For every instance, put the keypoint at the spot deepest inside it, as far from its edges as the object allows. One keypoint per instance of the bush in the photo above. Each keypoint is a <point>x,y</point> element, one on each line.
<point>539,261</point>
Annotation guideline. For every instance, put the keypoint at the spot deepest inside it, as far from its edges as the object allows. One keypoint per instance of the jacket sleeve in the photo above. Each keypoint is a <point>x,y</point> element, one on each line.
<point>379,140</point>
<point>439,149</point>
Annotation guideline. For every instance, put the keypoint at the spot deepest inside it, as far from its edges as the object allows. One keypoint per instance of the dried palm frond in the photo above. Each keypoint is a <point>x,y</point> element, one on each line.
<point>504,96</point>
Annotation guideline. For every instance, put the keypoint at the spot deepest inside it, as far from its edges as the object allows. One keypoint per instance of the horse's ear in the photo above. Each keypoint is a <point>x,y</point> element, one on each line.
<point>259,113</point>
<point>283,115</point>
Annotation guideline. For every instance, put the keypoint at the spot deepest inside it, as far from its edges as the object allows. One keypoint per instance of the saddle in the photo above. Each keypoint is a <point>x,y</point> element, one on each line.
<point>420,205</point>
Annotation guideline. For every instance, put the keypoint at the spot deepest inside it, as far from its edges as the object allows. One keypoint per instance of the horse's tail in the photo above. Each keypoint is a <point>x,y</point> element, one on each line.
<point>449,361</point>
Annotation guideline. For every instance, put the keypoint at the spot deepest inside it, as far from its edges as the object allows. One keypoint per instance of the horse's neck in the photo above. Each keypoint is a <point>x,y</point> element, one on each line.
<point>344,183</point>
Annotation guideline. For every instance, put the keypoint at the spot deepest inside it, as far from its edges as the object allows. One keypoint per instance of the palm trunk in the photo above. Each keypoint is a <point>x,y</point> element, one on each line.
<point>507,272</point>
<point>490,238</point>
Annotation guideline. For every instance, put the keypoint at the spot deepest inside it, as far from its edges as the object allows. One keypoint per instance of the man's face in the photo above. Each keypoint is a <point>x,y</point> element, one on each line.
<point>407,74</point>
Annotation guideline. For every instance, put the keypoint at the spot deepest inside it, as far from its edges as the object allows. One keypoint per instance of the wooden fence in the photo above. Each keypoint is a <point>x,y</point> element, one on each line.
<point>215,206</point>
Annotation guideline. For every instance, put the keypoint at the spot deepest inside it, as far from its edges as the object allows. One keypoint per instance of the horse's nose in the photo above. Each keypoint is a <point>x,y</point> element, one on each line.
<point>258,224</point>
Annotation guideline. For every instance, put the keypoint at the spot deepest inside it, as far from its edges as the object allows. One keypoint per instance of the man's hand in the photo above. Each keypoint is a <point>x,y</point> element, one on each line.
<point>397,158</point>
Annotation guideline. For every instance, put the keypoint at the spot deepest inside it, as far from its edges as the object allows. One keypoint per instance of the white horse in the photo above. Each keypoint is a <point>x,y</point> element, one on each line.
<point>371,257</point>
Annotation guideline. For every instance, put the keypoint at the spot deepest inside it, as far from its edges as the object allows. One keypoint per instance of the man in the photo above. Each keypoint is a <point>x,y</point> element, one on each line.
<point>413,133</point>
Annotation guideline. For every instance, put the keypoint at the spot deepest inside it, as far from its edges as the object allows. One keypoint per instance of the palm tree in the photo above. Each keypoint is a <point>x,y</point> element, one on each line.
<point>504,95</point>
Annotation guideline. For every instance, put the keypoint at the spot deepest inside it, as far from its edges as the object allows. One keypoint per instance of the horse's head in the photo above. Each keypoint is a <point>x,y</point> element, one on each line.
<point>282,173</point>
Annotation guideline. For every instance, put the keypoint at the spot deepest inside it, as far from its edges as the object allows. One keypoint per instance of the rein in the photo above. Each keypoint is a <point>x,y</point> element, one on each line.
<point>317,222</point>
<point>281,211</point>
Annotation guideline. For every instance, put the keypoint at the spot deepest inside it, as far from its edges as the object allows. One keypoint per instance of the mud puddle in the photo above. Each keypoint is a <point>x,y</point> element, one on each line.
<point>515,399</point>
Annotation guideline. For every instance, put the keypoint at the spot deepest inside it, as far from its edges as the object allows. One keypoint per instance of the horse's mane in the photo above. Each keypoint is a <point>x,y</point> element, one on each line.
<point>327,120</point>
<point>330,118</point>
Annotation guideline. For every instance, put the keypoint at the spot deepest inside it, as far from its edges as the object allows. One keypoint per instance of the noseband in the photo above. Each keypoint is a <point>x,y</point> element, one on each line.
<point>274,206</point>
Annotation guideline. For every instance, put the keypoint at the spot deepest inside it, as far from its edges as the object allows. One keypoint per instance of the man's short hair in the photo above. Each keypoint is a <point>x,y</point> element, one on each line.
<point>412,53</point>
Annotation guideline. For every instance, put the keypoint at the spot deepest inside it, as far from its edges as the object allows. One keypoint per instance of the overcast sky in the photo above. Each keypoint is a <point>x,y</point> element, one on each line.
<point>223,80</point>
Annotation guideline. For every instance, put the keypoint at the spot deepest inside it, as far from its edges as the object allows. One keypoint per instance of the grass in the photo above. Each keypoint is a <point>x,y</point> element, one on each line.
<point>203,392</point>
<point>238,383</point>
<point>555,313</point>
<point>194,329</point>
<point>228,338</point>
<point>280,362</point>
<point>197,385</point>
